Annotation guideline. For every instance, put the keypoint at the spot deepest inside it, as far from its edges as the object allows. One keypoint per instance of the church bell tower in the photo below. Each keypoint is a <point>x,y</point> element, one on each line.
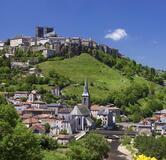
<point>85,95</point>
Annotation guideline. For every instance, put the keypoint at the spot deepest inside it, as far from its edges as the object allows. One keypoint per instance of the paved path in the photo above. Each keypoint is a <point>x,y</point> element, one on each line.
<point>80,135</point>
<point>118,153</point>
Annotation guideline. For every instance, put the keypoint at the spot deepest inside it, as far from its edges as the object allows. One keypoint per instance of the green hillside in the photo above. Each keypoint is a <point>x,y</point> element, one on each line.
<point>135,95</point>
<point>102,79</point>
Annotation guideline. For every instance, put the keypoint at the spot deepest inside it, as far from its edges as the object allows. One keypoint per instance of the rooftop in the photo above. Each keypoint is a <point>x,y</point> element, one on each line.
<point>81,110</point>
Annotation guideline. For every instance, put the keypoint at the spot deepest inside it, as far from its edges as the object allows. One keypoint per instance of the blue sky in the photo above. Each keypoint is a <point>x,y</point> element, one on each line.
<point>136,27</point>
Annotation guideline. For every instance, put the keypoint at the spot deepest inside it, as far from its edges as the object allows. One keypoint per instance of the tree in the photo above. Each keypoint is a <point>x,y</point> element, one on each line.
<point>2,100</point>
<point>92,147</point>
<point>151,146</point>
<point>5,128</point>
<point>98,122</point>
<point>8,114</point>
<point>48,143</point>
<point>98,143</point>
<point>16,141</point>
<point>79,152</point>
<point>21,144</point>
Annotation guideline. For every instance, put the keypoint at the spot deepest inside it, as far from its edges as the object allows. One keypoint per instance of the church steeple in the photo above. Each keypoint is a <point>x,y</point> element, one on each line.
<point>86,91</point>
<point>85,95</point>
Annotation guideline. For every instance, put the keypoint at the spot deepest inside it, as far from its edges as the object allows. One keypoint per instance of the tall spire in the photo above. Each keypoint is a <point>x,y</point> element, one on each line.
<point>85,95</point>
<point>86,91</point>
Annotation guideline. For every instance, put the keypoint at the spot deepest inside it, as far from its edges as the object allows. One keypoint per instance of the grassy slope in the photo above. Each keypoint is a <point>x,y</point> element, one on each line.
<point>104,78</point>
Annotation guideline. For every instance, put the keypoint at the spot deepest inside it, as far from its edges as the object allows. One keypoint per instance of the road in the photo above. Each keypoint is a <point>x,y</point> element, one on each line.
<point>115,154</point>
<point>112,134</point>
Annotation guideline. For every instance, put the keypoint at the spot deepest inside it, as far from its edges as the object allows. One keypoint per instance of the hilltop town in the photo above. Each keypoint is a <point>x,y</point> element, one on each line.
<point>39,82</point>
<point>35,112</point>
<point>50,44</point>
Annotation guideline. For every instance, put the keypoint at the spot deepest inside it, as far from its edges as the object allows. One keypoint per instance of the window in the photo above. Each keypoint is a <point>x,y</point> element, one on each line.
<point>79,121</point>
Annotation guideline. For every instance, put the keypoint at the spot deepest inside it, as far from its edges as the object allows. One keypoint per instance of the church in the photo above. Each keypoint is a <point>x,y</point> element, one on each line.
<point>81,113</point>
<point>78,119</point>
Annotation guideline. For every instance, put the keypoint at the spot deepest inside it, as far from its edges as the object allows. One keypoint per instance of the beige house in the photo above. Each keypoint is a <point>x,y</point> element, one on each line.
<point>2,44</point>
<point>64,139</point>
<point>48,53</point>
<point>144,129</point>
<point>18,41</point>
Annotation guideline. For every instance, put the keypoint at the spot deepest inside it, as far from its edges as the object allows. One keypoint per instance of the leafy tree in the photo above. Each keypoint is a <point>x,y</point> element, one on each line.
<point>48,143</point>
<point>16,141</point>
<point>98,122</point>
<point>151,146</point>
<point>2,100</point>
<point>92,147</point>
<point>21,144</point>
<point>8,114</point>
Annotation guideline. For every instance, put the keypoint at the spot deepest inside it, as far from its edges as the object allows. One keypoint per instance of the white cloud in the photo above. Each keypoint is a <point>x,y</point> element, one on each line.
<point>117,34</point>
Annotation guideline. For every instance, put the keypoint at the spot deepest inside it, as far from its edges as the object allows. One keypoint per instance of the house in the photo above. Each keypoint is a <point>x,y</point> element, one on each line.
<point>33,42</point>
<point>34,96</point>
<point>47,53</point>
<point>55,107</point>
<point>37,48</point>
<point>62,125</point>
<point>86,42</point>
<point>114,109</point>
<point>60,40</point>
<point>163,132</point>
<point>21,107</point>
<point>38,129</point>
<point>64,139</point>
<point>2,45</point>
<point>19,41</point>
<point>44,116</point>
<point>162,112</point>
<point>75,40</point>
<point>95,110</point>
<point>39,105</point>
<point>159,126</point>
<point>26,116</point>
<point>36,111</point>
<point>30,121</point>
<point>21,94</point>
<point>56,91</point>
<point>144,127</point>
<point>43,41</point>
<point>107,117</point>
<point>64,113</point>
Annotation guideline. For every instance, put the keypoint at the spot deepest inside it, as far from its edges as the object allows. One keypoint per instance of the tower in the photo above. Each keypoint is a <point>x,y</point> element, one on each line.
<point>39,32</point>
<point>85,95</point>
